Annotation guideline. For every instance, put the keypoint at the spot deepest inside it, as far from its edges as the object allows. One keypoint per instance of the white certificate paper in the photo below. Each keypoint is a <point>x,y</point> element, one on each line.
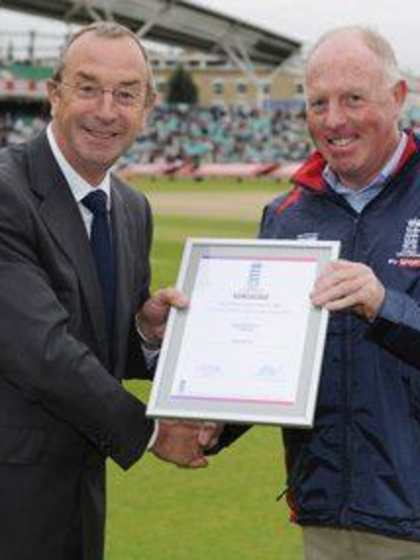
<point>244,332</point>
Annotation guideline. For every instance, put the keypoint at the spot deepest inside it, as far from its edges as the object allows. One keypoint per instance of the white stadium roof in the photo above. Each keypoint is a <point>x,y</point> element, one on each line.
<point>173,22</point>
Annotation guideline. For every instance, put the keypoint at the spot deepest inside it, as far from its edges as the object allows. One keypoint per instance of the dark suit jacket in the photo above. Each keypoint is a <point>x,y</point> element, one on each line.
<point>63,409</point>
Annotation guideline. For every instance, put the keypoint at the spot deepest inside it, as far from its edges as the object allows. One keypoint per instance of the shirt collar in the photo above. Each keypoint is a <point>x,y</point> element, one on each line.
<point>78,186</point>
<point>334,182</point>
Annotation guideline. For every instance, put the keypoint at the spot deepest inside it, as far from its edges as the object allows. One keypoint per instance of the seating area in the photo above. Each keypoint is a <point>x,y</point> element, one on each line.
<point>19,127</point>
<point>200,135</point>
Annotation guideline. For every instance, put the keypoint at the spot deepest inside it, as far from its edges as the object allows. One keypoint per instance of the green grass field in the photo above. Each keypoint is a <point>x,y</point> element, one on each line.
<point>229,510</point>
<point>150,186</point>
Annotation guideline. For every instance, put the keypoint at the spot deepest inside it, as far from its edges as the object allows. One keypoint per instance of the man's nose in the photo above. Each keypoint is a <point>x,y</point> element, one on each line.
<point>106,105</point>
<point>335,115</point>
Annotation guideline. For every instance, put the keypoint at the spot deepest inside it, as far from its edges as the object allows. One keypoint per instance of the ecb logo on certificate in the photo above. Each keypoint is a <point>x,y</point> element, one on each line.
<point>254,278</point>
<point>252,289</point>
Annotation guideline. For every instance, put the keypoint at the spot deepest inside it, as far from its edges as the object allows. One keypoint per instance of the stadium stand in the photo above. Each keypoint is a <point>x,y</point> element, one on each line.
<point>215,141</point>
<point>180,140</point>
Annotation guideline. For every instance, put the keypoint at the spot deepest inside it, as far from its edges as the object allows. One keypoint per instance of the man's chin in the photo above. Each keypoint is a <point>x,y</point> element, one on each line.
<point>341,167</point>
<point>102,161</point>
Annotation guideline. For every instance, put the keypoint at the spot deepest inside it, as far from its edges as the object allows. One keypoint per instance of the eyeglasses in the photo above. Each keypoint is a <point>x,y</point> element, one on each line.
<point>123,96</point>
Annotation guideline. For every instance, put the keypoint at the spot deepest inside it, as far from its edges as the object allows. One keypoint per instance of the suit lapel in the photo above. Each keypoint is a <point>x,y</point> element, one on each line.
<point>62,217</point>
<point>125,275</point>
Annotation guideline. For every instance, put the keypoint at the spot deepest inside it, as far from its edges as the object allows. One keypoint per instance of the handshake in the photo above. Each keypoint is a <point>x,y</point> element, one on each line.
<point>184,443</point>
<point>181,442</point>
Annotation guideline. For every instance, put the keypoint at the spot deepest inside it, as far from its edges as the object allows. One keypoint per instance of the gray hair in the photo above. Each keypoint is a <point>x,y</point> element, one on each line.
<point>374,41</point>
<point>108,30</point>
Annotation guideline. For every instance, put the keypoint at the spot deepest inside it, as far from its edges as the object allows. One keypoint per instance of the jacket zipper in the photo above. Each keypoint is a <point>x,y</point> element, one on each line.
<point>348,367</point>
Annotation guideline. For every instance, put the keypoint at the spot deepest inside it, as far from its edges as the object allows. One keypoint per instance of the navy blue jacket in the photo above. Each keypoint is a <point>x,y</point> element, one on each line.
<point>359,467</point>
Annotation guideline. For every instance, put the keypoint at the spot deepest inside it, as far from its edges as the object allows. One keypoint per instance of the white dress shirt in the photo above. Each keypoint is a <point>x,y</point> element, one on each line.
<point>79,186</point>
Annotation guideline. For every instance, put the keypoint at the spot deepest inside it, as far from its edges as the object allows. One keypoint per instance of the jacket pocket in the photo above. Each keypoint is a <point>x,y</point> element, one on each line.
<point>21,446</point>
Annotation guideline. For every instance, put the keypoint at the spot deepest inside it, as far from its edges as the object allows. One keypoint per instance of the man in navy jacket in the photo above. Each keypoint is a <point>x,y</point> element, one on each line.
<point>354,479</point>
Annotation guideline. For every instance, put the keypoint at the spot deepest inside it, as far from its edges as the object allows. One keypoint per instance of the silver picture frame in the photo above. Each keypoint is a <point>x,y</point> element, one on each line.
<point>243,399</point>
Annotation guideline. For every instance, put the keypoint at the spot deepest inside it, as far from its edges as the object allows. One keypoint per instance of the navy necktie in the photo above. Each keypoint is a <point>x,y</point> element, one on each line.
<point>100,240</point>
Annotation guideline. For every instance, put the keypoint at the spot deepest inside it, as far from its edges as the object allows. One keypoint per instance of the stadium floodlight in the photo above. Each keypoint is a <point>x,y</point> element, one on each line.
<point>174,22</point>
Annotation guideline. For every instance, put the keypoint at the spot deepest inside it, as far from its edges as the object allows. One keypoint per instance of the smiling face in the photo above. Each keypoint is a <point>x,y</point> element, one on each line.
<point>352,109</point>
<point>93,133</point>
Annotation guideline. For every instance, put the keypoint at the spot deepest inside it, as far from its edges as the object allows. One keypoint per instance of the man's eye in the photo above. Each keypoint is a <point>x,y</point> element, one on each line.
<point>354,100</point>
<point>125,96</point>
<point>87,89</point>
<point>318,105</point>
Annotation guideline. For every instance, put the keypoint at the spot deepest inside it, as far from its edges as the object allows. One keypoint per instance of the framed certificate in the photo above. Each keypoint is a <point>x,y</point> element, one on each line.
<point>249,347</point>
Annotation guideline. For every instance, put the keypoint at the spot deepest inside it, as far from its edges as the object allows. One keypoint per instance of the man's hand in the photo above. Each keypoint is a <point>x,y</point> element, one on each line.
<point>349,285</point>
<point>151,318</point>
<point>178,442</point>
<point>209,434</point>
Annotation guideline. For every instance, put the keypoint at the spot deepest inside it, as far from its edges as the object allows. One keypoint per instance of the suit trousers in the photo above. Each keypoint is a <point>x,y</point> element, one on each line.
<point>325,543</point>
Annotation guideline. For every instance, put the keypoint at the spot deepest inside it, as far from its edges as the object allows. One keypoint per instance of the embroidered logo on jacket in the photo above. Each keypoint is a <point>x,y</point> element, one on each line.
<point>409,256</point>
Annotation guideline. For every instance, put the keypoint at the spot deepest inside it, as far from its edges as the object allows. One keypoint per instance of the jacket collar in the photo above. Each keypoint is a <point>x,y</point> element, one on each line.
<point>309,175</point>
<point>125,259</point>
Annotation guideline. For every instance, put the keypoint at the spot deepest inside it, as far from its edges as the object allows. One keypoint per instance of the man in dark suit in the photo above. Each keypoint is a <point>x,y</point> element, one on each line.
<point>71,327</point>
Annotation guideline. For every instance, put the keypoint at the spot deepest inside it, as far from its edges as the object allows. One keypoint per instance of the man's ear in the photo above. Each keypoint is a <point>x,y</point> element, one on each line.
<point>54,94</point>
<point>400,90</point>
<point>148,108</point>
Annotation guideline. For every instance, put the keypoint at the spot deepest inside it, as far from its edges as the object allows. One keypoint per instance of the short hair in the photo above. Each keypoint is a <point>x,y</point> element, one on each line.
<point>108,30</point>
<point>374,41</point>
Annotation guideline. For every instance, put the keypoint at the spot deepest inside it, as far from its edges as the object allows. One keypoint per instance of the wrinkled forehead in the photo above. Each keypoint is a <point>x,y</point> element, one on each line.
<point>341,57</point>
<point>118,54</point>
